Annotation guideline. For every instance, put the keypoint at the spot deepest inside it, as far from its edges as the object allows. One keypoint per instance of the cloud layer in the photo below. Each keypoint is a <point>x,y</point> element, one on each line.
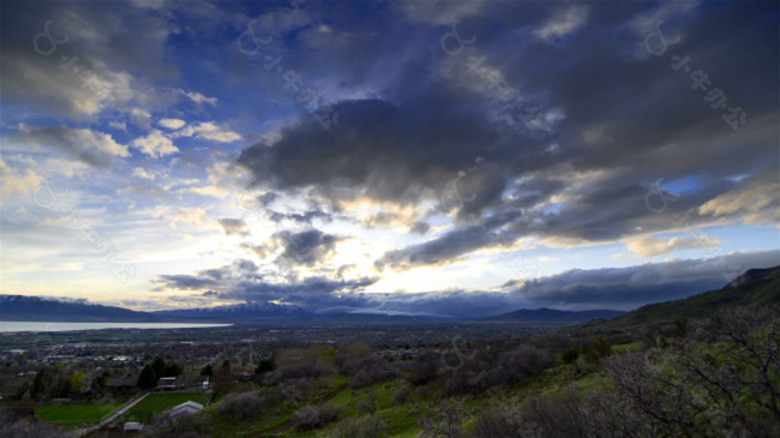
<point>560,150</point>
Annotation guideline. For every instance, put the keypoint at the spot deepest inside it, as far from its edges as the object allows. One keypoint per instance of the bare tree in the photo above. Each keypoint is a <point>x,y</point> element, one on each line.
<point>444,420</point>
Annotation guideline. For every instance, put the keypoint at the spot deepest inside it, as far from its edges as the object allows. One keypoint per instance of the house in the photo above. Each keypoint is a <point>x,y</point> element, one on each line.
<point>132,426</point>
<point>166,383</point>
<point>243,373</point>
<point>121,383</point>
<point>186,408</point>
<point>199,382</point>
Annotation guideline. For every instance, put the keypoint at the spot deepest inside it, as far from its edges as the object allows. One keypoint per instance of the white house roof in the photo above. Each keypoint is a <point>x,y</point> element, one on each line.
<point>132,426</point>
<point>188,404</point>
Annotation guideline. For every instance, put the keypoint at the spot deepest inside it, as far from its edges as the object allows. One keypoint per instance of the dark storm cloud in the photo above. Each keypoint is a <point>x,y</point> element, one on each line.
<point>306,217</point>
<point>108,38</point>
<point>244,266</point>
<point>392,152</point>
<point>448,247</point>
<point>625,119</point>
<point>94,148</point>
<point>311,292</point>
<point>636,285</point>
<point>420,227</point>
<point>184,282</point>
<point>239,270</point>
<point>306,248</point>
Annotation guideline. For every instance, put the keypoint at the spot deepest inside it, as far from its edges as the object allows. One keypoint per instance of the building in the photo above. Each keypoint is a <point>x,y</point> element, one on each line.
<point>122,383</point>
<point>166,383</point>
<point>132,426</point>
<point>244,373</point>
<point>186,408</point>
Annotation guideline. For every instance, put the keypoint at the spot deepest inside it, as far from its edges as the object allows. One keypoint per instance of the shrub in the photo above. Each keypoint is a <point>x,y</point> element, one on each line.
<point>369,371</point>
<point>240,406</point>
<point>12,426</point>
<point>443,421</point>
<point>364,427</point>
<point>504,423</point>
<point>295,372</point>
<point>188,426</point>
<point>350,352</point>
<point>596,349</point>
<point>295,389</point>
<point>424,368</point>
<point>315,417</point>
<point>570,356</point>
<point>368,404</point>
<point>265,366</point>
<point>402,395</point>
<point>559,415</point>
<point>488,368</point>
<point>530,360</point>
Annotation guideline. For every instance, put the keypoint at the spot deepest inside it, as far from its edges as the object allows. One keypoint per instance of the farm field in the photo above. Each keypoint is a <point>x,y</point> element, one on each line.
<point>72,415</point>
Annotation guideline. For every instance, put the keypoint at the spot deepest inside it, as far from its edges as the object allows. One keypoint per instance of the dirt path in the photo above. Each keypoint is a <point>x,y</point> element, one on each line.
<point>291,422</point>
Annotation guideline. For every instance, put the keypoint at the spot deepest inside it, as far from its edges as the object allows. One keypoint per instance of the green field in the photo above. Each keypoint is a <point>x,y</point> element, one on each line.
<point>71,415</point>
<point>156,403</point>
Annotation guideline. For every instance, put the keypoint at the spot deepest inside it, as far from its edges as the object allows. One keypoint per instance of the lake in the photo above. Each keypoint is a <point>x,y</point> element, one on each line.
<point>34,326</point>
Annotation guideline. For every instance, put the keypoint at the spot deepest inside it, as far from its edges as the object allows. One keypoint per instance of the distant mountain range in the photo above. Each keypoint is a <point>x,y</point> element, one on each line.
<point>27,308</point>
<point>545,315</point>
<point>31,308</point>
<point>755,287</point>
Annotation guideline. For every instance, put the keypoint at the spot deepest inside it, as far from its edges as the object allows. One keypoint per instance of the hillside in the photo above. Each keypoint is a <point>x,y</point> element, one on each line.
<point>754,288</point>
<point>551,316</point>
<point>28,308</point>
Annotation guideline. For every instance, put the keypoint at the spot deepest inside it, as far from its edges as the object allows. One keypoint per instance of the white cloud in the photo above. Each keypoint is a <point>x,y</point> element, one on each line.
<point>224,177</point>
<point>197,97</point>
<point>440,11</point>
<point>140,172</point>
<point>563,22</point>
<point>171,123</point>
<point>19,182</point>
<point>649,246</point>
<point>646,21</point>
<point>209,131</point>
<point>755,199</point>
<point>155,144</point>
<point>141,117</point>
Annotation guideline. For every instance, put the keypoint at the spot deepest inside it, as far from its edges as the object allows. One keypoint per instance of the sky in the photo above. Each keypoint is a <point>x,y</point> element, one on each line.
<point>419,158</point>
